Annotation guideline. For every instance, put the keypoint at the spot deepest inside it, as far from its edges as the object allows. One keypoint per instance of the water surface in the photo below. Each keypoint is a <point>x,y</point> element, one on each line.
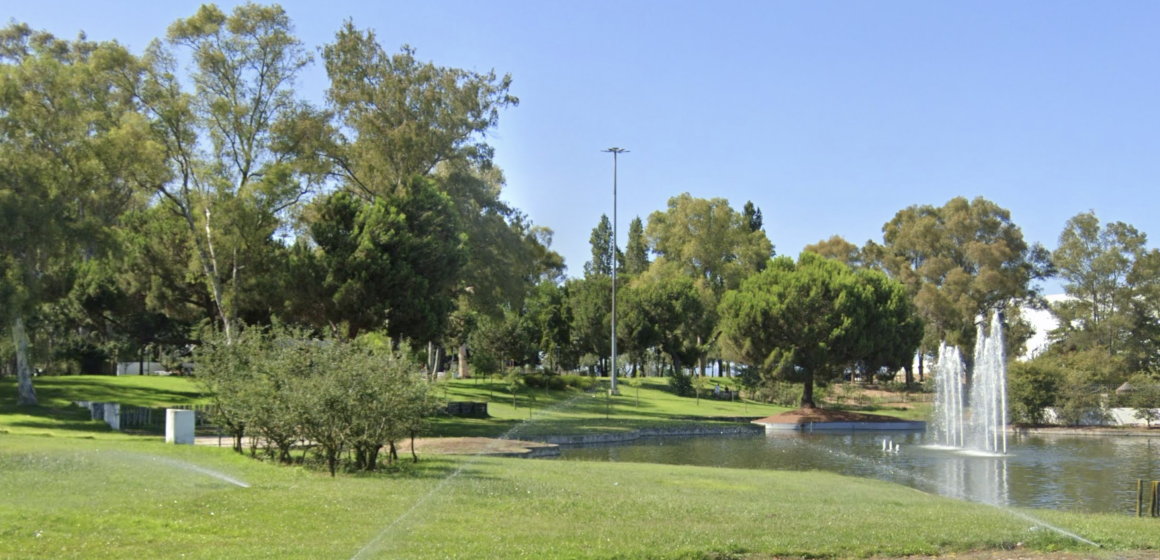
<point>1089,474</point>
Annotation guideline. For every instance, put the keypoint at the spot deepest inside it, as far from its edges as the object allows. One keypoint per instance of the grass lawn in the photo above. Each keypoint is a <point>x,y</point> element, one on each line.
<point>77,490</point>
<point>68,497</point>
<point>56,414</point>
<point>570,411</point>
<point>573,411</point>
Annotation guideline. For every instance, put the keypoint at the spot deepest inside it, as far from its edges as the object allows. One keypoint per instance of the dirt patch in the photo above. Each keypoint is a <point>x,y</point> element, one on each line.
<point>476,445</point>
<point>808,415</point>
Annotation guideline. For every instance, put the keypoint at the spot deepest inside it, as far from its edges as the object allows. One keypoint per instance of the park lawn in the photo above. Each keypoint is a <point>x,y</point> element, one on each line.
<point>573,411</point>
<point>56,415</point>
<point>556,412</point>
<point>79,498</point>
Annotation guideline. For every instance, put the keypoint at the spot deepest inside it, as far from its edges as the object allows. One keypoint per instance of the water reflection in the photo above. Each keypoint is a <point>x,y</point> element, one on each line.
<point>1073,473</point>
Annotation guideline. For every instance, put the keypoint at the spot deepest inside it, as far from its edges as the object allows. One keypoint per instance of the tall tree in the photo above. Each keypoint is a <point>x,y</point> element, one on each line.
<point>960,261</point>
<point>603,250</point>
<point>636,250</point>
<point>230,141</point>
<point>404,115</point>
<point>837,248</point>
<point>751,216</point>
<point>1111,277</point>
<point>709,240</point>
<point>393,263</point>
<point>72,153</point>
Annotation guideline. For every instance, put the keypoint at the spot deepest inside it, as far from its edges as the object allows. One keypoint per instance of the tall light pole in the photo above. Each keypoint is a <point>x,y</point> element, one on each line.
<point>615,153</point>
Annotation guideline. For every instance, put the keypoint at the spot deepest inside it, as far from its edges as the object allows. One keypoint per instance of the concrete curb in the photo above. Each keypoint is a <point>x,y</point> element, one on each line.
<point>1082,432</point>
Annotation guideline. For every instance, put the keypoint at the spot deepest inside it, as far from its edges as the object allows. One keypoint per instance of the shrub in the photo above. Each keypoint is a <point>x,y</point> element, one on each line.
<point>1031,388</point>
<point>578,381</point>
<point>681,384</point>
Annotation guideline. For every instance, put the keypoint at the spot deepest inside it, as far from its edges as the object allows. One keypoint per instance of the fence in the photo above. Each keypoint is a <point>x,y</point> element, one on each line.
<point>121,417</point>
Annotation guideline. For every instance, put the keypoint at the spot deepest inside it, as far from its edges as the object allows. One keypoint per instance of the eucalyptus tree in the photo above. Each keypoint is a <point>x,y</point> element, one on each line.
<point>837,248</point>
<point>72,155</point>
<point>712,243</point>
<point>1114,283</point>
<point>959,261</point>
<point>231,142</point>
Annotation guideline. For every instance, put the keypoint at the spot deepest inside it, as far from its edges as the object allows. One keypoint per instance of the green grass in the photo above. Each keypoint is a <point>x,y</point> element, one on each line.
<point>57,416</point>
<point>135,390</point>
<point>573,411</point>
<point>557,412</point>
<point>67,498</point>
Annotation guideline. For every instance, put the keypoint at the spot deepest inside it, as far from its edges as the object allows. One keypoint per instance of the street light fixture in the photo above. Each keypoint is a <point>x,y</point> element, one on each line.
<point>615,152</point>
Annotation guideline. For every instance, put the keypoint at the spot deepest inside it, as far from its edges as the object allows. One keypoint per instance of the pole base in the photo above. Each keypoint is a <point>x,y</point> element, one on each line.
<point>614,392</point>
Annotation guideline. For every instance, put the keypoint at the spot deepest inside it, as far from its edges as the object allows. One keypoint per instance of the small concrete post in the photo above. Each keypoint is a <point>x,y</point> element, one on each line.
<point>179,426</point>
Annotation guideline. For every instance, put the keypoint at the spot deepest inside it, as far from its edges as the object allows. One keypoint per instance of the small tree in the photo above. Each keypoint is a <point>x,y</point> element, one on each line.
<point>513,382</point>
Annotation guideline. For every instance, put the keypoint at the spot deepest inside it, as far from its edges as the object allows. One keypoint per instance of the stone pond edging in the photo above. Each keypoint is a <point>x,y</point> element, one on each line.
<point>1116,432</point>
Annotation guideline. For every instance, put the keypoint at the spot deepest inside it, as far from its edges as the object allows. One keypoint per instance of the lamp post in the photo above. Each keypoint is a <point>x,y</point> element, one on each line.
<point>615,152</point>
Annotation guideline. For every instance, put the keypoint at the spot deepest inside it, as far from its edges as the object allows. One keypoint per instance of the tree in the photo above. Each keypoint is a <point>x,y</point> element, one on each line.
<point>603,249</point>
<point>960,261</point>
<point>391,263</point>
<point>230,142</point>
<point>752,216</point>
<point>805,321</point>
<point>837,248</point>
<point>636,250</point>
<point>709,240</point>
<point>72,155</point>
<point>664,308</point>
<point>1113,283</point>
<point>404,115</point>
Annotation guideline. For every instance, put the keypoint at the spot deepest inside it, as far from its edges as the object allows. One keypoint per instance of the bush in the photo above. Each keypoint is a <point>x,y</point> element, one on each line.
<point>578,381</point>
<point>681,384</point>
<point>1031,388</point>
<point>279,385</point>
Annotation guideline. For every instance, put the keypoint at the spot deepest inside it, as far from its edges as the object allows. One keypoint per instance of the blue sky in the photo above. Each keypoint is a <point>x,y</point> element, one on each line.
<point>830,116</point>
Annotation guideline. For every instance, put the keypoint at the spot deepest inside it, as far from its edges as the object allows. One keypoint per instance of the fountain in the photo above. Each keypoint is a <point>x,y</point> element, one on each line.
<point>984,429</point>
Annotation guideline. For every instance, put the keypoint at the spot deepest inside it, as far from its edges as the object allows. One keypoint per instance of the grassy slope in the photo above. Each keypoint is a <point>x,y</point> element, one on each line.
<point>576,412</point>
<point>556,412</point>
<point>132,499</point>
<point>57,415</point>
<point>87,492</point>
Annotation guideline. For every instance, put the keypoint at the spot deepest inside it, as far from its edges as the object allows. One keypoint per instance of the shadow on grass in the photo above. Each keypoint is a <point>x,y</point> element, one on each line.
<point>65,390</point>
<point>49,418</point>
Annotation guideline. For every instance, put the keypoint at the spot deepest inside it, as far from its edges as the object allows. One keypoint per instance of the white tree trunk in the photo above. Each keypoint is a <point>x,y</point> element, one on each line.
<point>25,394</point>
<point>463,373</point>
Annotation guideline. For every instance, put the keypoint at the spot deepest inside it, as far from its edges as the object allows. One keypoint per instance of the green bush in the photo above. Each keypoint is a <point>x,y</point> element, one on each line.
<point>681,384</point>
<point>1031,388</point>
<point>556,383</point>
<point>578,381</point>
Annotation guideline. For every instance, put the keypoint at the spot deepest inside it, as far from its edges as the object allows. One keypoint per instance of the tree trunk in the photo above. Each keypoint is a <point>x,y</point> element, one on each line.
<point>808,393</point>
<point>921,362</point>
<point>700,359</point>
<point>909,376</point>
<point>463,373</point>
<point>25,393</point>
<point>414,456</point>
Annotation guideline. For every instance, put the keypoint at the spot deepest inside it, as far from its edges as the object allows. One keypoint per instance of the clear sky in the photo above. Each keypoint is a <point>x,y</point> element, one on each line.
<point>830,116</point>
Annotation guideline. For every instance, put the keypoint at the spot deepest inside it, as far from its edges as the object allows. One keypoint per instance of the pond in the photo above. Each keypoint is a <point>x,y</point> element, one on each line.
<point>1078,473</point>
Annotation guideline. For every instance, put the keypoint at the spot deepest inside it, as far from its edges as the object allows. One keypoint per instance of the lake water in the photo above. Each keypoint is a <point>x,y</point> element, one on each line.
<point>1089,474</point>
